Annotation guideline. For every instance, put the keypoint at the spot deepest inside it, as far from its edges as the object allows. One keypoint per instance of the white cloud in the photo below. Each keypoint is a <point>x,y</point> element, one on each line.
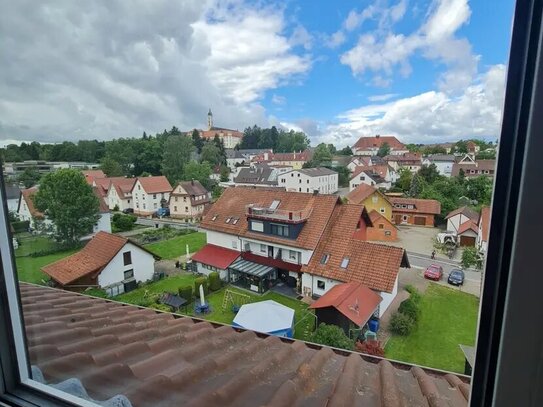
<point>432,116</point>
<point>383,51</point>
<point>382,98</point>
<point>278,100</point>
<point>335,40</point>
<point>301,36</point>
<point>113,69</point>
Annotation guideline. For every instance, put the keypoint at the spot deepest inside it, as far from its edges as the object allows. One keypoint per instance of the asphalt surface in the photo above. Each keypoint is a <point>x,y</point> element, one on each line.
<point>165,221</point>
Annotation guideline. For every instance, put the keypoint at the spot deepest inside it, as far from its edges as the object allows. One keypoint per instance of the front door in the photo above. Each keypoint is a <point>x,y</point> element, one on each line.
<point>397,219</point>
<point>270,251</point>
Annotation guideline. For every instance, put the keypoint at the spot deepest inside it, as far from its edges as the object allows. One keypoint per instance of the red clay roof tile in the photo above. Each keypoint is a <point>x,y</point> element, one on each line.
<point>153,185</point>
<point>216,256</point>
<point>429,206</point>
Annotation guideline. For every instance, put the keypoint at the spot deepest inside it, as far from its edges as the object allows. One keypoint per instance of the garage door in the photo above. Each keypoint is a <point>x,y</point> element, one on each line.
<point>467,241</point>
<point>420,220</point>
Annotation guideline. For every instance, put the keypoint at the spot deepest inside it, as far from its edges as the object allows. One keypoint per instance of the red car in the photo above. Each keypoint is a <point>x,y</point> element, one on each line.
<point>433,272</point>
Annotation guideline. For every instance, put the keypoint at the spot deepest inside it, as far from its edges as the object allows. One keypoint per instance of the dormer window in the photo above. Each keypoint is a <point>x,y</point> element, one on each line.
<point>344,263</point>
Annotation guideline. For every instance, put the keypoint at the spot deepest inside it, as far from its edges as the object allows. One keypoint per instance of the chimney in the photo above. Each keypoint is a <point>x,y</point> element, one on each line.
<point>192,182</point>
<point>377,136</point>
<point>315,192</point>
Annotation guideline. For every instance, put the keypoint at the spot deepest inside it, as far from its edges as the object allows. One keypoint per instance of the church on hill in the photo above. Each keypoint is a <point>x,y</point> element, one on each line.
<point>230,138</point>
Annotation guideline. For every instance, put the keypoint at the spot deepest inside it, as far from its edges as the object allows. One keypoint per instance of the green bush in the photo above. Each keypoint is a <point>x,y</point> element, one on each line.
<point>401,324</point>
<point>161,307</point>
<point>186,292</point>
<point>214,281</point>
<point>472,257</point>
<point>21,226</point>
<point>144,302</point>
<point>116,208</point>
<point>332,335</point>
<point>197,283</point>
<point>123,222</point>
<point>410,308</point>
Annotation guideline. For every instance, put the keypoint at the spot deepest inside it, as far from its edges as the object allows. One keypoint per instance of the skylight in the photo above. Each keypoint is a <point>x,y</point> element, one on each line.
<point>275,204</point>
<point>344,262</point>
<point>235,220</point>
<point>325,258</point>
<point>214,217</point>
<point>227,220</point>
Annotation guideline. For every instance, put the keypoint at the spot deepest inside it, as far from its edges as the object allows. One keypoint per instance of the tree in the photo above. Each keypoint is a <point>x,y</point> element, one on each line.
<point>461,147</point>
<point>225,173</point>
<point>344,175</point>
<point>250,137</point>
<point>177,152</point>
<point>68,201</point>
<point>211,154</point>
<point>332,149</point>
<point>197,140</point>
<point>404,181</point>
<point>345,151</point>
<point>123,222</point>
<point>413,148</point>
<point>429,173</point>
<point>471,257</point>
<point>332,335</point>
<point>384,150</point>
<point>321,155</point>
<point>110,167</point>
<point>416,186</point>
<point>220,145</point>
<point>479,189</point>
<point>196,171</point>
<point>29,177</point>
<point>486,155</point>
<point>429,150</point>
<point>288,142</point>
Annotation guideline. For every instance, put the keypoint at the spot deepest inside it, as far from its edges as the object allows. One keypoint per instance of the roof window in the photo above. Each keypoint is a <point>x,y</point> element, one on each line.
<point>344,262</point>
<point>325,259</point>
<point>227,220</point>
<point>214,217</point>
<point>235,220</point>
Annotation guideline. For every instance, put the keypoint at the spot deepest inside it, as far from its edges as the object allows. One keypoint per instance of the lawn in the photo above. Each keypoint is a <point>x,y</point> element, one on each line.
<point>448,318</point>
<point>172,248</point>
<point>303,329</point>
<point>30,244</point>
<point>28,268</point>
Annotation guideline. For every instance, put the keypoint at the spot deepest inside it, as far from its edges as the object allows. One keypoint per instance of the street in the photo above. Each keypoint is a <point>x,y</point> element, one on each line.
<point>166,221</point>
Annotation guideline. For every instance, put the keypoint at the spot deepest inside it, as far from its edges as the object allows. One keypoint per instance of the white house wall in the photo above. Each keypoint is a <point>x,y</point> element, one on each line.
<point>203,270</point>
<point>143,264</point>
<point>104,223</point>
<point>454,222</point>
<point>223,240</point>
<point>300,182</point>
<point>114,199</point>
<point>13,204</point>
<point>254,246</point>
<point>387,298</point>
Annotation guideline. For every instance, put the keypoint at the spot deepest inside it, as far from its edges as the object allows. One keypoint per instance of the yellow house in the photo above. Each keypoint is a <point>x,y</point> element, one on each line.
<point>372,199</point>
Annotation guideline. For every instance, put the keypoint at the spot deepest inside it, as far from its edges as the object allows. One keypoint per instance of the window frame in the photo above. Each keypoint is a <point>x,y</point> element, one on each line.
<point>505,371</point>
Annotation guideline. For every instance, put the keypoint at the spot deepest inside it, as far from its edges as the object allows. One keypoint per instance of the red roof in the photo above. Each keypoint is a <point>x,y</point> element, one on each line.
<point>354,300</point>
<point>484,222</point>
<point>152,185</point>
<point>468,225</point>
<point>365,143</point>
<point>28,196</point>
<point>91,175</point>
<point>216,256</point>
<point>429,206</point>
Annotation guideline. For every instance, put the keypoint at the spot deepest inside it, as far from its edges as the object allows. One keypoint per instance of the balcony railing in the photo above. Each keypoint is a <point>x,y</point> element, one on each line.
<point>294,216</point>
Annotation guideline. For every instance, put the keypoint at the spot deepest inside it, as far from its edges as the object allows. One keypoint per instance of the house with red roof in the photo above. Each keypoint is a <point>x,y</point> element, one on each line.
<point>347,305</point>
<point>150,194</point>
<point>111,262</point>
<point>464,223</point>
<point>484,228</point>
<point>371,145</point>
<point>188,200</point>
<point>91,175</point>
<point>417,212</point>
<point>119,192</point>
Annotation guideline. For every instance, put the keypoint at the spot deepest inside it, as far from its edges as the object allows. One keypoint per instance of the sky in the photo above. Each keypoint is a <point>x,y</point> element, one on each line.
<point>425,71</point>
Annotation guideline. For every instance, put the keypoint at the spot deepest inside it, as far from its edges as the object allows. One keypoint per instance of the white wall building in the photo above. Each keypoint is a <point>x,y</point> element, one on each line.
<point>308,180</point>
<point>443,162</point>
<point>150,194</point>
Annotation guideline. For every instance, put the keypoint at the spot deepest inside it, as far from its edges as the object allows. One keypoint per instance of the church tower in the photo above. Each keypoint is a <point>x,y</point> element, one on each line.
<point>209,120</point>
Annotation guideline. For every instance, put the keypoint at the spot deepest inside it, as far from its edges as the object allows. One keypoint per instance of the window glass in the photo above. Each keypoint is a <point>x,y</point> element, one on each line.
<point>127,258</point>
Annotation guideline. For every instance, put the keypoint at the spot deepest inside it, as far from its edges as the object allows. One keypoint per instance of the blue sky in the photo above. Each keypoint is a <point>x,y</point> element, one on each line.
<point>425,71</point>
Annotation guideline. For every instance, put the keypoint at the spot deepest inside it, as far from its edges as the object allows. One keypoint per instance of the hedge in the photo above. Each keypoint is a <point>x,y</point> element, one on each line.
<point>186,292</point>
<point>21,226</point>
<point>410,308</point>
<point>401,324</point>
<point>197,283</point>
<point>214,281</point>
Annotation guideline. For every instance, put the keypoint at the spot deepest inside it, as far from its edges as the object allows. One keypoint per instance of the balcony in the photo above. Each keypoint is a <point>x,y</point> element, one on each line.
<point>285,216</point>
<point>270,261</point>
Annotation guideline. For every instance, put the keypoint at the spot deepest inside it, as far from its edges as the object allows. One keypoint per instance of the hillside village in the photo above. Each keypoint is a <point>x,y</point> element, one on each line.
<point>334,239</point>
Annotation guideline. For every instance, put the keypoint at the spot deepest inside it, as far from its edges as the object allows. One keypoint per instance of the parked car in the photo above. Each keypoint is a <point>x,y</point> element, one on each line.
<point>163,212</point>
<point>128,210</point>
<point>433,272</point>
<point>456,277</point>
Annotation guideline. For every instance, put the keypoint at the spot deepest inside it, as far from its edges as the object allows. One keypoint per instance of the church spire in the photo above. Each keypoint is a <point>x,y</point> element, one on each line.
<point>209,119</point>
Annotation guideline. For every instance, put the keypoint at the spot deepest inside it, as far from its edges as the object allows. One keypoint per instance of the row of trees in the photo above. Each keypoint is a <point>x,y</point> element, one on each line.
<point>279,140</point>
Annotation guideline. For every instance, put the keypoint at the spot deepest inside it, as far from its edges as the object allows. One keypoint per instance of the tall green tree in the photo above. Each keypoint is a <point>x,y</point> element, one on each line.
<point>68,201</point>
<point>384,150</point>
<point>288,142</point>
<point>404,181</point>
<point>417,185</point>
<point>177,152</point>
<point>251,136</point>
<point>110,167</point>
<point>321,155</point>
<point>211,154</point>
<point>429,173</point>
<point>461,147</point>
<point>220,145</point>
<point>197,141</point>
<point>29,177</point>
<point>344,175</point>
<point>345,151</point>
<point>198,171</point>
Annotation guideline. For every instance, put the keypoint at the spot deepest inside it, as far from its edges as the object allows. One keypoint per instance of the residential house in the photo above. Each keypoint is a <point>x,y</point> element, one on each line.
<point>91,175</point>
<point>235,158</point>
<point>472,168</point>
<point>370,145</point>
<point>464,223</point>
<point>411,211</point>
<point>28,212</point>
<point>150,193</point>
<point>410,161</point>
<point>127,355</point>
<point>119,192</point>
<point>484,229</point>
<point>342,256</point>
<point>104,222</point>
<point>372,199</point>
<point>256,176</point>
<point>13,193</point>
<point>296,159</point>
<point>347,305</point>
<point>111,262</point>
<point>382,229</point>
<point>368,176</point>
<point>309,180</point>
<point>443,162</point>
<point>212,258</point>
<point>473,148</point>
<point>188,200</point>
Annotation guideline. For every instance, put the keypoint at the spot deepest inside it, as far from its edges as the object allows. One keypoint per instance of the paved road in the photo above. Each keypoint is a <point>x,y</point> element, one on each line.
<point>165,221</point>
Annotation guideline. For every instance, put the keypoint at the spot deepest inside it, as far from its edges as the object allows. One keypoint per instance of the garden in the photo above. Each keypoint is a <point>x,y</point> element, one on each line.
<point>428,328</point>
<point>148,295</point>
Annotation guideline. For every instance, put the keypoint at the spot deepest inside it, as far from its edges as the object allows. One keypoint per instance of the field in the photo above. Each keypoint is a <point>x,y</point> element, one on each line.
<point>448,318</point>
<point>176,247</point>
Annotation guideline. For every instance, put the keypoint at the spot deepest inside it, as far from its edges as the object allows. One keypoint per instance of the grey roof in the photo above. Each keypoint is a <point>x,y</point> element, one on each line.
<point>316,172</point>
<point>374,176</point>
<point>248,267</point>
<point>442,157</point>
<point>257,175</point>
<point>234,154</point>
<point>12,192</point>
<point>245,153</point>
<point>193,188</point>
